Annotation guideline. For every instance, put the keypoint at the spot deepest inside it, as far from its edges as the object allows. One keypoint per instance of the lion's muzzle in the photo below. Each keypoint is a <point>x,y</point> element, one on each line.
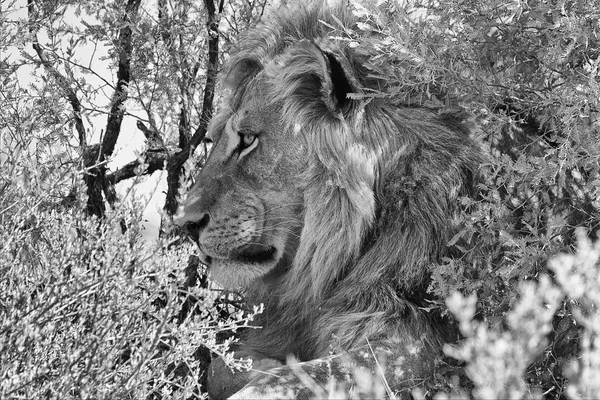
<point>231,237</point>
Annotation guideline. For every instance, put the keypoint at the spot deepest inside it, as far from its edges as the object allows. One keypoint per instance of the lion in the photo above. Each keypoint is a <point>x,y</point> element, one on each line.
<point>331,207</point>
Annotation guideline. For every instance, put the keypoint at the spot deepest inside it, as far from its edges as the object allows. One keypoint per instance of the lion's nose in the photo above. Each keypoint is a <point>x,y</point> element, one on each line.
<point>193,224</point>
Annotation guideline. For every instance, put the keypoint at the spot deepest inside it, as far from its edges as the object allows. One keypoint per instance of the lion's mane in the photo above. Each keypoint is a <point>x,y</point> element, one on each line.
<point>380,186</point>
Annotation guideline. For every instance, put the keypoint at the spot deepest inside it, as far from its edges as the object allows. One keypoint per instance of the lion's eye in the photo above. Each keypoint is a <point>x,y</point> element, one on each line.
<point>248,140</point>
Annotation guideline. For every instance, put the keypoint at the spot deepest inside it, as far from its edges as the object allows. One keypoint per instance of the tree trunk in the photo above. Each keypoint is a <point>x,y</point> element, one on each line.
<point>175,163</point>
<point>95,157</point>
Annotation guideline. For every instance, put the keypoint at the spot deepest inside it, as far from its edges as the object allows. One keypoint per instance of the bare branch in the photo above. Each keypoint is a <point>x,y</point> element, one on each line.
<point>142,127</point>
<point>62,81</point>
<point>153,139</point>
<point>153,161</point>
<point>211,73</point>
<point>85,68</point>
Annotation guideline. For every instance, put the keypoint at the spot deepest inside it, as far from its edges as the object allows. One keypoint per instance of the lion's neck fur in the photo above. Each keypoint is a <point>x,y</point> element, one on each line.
<point>363,261</point>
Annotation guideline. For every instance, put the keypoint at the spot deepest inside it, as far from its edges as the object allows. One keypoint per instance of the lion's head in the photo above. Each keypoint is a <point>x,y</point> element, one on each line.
<point>245,208</point>
<point>326,203</point>
<point>291,175</point>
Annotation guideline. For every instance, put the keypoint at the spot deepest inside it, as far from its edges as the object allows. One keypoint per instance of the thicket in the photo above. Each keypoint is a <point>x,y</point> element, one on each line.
<point>88,310</point>
<point>527,75</point>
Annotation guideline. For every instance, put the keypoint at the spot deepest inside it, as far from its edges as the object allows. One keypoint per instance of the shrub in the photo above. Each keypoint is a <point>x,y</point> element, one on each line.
<point>578,276</point>
<point>89,311</point>
<point>526,73</point>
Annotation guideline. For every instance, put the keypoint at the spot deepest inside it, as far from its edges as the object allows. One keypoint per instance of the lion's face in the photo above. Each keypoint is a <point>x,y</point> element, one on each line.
<point>244,209</point>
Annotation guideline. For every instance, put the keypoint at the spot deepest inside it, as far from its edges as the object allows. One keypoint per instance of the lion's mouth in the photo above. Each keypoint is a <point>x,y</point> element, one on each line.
<point>255,253</point>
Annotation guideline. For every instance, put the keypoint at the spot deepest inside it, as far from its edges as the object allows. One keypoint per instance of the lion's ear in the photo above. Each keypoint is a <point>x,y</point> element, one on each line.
<point>336,83</point>
<point>240,73</point>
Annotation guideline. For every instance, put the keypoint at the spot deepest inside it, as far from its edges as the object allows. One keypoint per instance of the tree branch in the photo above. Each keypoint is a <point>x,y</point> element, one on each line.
<point>154,141</point>
<point>153,161</point>
<point>63,83</point>
<point>94,160</point>
<point>211,72</point>
<point>176,162</point>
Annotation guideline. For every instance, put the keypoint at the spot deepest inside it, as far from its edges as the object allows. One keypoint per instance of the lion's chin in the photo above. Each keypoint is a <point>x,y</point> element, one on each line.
<point>235,273</point>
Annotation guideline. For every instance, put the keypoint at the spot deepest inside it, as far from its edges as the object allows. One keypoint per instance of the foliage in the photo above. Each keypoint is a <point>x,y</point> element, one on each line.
<point>578,276</point>
<point>90,311</point>
<point>497,359</point>
<point>96,68</point>
<point>526,73</point>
